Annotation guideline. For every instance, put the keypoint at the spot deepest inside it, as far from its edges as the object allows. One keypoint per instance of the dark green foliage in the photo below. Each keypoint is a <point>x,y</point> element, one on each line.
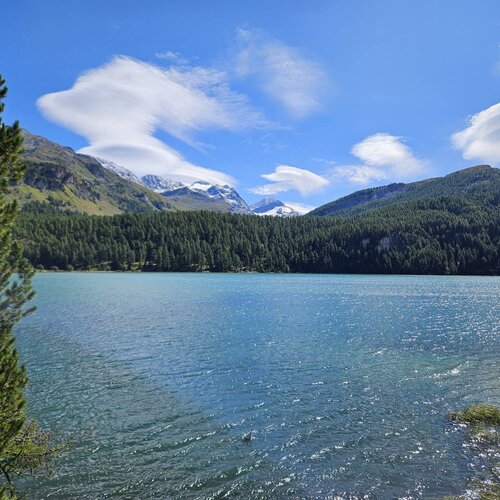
<point>480,184</point>
<point>434,235</point>
<point>447,225</point>
<point>483,421</point>
<point>22,445</point>
<point>477,414</point>
<point>482,490</point>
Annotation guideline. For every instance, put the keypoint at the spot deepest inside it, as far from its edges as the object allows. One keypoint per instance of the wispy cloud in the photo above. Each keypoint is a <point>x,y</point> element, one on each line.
<point>119,106</point>
<point>481,139</point>
<point>383,156</point>
<point>170,56</point>
<point>283,72</point>
<point>285,178</point>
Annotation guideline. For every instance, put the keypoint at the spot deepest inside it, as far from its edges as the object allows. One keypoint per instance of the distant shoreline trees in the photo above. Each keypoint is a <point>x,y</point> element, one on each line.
<point>436,235</point>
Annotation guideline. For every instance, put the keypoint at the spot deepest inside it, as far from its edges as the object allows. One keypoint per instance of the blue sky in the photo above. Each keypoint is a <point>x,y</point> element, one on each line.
<point>321,98</point>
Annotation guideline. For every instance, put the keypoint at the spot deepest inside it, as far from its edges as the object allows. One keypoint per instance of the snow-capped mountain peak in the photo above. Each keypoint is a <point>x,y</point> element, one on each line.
<point>265,203</point>
<point>215,194</point>
<point>200,186</point>
<point>225,194</point>
<point>160,184</point>
<point>229,195</point>
<point>123,172</point>
<point>273,207</point>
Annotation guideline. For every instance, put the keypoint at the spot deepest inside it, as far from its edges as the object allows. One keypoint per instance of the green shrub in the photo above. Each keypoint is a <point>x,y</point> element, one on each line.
<point>477,414</point>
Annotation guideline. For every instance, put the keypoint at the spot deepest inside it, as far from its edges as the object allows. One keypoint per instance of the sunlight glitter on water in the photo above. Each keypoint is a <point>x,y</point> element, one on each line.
<point>347,381</point>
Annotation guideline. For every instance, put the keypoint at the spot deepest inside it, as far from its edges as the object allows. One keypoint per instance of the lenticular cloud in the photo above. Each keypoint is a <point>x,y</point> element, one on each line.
<point>120,105</point>
<point>286,178</point>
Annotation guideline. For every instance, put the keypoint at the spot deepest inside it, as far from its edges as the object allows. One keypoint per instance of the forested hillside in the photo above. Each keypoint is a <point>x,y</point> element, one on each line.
<point>435,235</point>
<point>480,184</point>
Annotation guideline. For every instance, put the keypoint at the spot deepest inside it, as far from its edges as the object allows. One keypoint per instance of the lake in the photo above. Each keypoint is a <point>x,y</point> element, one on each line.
<point>346,381</point>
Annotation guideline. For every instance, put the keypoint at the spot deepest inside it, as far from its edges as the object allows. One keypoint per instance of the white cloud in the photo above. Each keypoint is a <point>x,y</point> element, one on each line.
<point>383,156</point>
<point>360,174</point>
<point>386,150</point>
<point>281,71</point>
<point>120,105</point>
<point>285,178</point>
<point>481,139</point>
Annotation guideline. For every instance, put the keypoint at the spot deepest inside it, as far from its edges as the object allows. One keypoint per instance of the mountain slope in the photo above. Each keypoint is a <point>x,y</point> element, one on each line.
<point>273,207</point>
<point>187,199</point>
<point>200,195</point>
<point>225,194</point>
<point>480,184</point>
<point>123,172</point>
<point>57,178</point>
<point>159,184</point>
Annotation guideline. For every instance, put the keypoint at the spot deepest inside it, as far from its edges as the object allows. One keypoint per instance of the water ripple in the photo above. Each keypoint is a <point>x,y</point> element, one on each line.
<point>346,381</point>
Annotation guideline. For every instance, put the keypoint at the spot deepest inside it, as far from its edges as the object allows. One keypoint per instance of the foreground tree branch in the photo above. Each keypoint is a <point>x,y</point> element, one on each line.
<point>23,446</point>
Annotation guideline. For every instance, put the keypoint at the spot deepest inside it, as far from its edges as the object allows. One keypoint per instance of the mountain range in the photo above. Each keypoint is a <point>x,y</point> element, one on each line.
<point>444,225</point>
<point>58,179</point>
<point>201,195</point>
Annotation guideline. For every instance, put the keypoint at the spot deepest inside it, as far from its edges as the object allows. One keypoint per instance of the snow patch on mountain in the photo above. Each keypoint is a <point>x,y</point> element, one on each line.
<point>225,194</point>
<point>301,208</point>
<point>160,184</point>
<point>278,208</point>
<point>200,186</point>
<point>230,196</point>
<point>123,172</point>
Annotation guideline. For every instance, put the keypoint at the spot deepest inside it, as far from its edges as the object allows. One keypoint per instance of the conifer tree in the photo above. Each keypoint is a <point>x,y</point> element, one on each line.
<point>22,445</point>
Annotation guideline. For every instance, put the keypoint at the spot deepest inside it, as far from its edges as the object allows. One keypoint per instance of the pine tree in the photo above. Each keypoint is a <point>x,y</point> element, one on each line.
<point>22,446</point>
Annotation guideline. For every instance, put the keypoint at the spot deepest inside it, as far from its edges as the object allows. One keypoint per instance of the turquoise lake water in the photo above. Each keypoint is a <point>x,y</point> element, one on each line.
<point>346,381</point>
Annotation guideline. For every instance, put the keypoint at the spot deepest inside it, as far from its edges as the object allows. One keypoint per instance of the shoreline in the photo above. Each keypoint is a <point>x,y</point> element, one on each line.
<point>97,271</point>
